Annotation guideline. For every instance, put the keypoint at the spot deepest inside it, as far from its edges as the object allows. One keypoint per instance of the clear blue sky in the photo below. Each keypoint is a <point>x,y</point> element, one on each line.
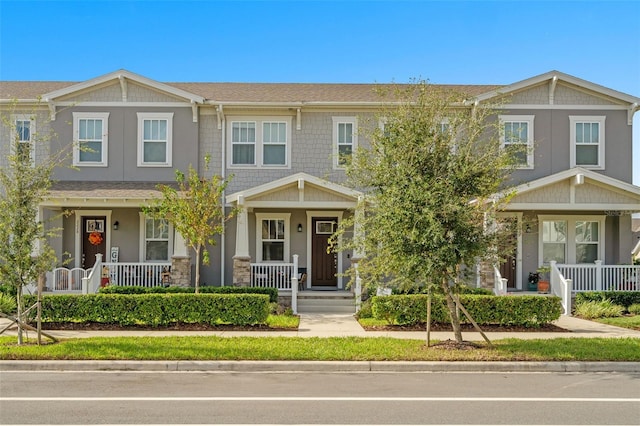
<point>472,42</point>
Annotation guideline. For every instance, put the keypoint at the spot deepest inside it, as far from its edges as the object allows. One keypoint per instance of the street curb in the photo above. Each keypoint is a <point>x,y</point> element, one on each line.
<point>322,366</point>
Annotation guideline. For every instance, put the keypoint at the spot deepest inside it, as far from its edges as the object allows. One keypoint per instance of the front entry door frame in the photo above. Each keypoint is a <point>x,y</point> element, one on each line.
<point>518,254</point>
<point>310,216</point>
<point>79,214</point>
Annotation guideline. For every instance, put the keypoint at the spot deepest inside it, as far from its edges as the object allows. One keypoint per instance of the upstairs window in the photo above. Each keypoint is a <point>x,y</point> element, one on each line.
<point>344,140</point>
<point>243,142</point>
<point>587,141</point>
<point>274,143</point>
<point>517,138</point>
<point>155,134</point>
<point>260,142</point>
<point>91,138</point>
<point>23,131</point>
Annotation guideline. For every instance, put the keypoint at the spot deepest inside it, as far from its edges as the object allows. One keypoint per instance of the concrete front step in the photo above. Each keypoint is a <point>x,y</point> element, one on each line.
<point>326,302</point>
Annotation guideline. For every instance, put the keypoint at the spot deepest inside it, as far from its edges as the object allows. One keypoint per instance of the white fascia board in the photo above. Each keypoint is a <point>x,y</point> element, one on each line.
<point>128,75</point>
<point>571,207</point>
<point>95,202</point>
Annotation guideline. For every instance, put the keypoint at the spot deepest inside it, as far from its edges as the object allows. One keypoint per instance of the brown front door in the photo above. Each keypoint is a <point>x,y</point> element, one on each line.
<point>94,239</point>
<point>508,271</point>
<point>323,264</point>
<point>508,267</point>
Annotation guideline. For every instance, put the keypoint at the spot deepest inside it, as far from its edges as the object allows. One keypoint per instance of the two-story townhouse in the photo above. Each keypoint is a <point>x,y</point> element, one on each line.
<point>285,144</point>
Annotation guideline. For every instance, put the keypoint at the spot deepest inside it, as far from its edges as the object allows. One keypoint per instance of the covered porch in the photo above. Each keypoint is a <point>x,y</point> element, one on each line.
<point>293,215</point>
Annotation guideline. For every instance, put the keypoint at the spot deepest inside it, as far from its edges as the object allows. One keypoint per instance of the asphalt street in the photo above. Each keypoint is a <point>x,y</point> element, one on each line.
<point>93,397</point>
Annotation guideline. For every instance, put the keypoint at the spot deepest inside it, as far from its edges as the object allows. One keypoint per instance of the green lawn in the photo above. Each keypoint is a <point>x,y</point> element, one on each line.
<point>324,349</point>
<point>632,322</point>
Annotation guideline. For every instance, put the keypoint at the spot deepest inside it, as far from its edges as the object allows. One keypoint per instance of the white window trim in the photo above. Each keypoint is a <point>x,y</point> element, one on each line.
<point>142,255</point>
<point>570,244</point>
<point>104,116</point>
<point>32,131</point>
<point>529,119</point>
<point>287,234</point>
<point>142,116</point>
<point>336,122</point>
<point>259,144</point>
<point>600,119</point>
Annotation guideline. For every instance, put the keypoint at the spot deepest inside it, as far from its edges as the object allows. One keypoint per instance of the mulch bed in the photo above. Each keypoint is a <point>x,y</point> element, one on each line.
<point>174,327</point>
<point>262,327</point>
<point>469,328</point>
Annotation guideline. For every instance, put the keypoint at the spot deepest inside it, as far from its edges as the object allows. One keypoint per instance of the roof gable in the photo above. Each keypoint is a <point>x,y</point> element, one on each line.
<point>122,77</point>
<point>300,188</point>
<point>555,82</point>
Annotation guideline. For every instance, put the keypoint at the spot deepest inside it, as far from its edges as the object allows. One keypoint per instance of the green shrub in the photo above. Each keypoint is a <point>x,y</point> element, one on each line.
<point>365,310</point>
<point>634,309</point>
<point>622,298</point>
<point>8,289</point>
<point>598,309</point>
<point>528,311</point>
<point>157,309</point>
<point>116,289</point>
<point>7,303</point>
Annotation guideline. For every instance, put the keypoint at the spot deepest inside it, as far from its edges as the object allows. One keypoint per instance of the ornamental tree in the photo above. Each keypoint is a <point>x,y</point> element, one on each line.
<point>430,174</point>
<point>25,253</point>
<point>196,211</point>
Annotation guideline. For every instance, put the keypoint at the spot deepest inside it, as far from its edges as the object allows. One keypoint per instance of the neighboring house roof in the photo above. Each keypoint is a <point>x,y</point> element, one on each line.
<point>238,93</point>
<point>562,191</point>
<point>76,193</point>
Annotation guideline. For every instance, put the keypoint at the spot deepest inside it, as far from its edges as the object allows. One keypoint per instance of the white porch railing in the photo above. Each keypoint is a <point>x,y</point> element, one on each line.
<point>499,283</point>
<point>137,274</point>
<point>63,280</point>
<point>599,277</point>
<point>283,276</point>
<point>561,287</point>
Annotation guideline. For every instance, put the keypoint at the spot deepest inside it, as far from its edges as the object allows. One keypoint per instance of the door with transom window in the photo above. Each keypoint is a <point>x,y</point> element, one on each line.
<point>324,262</point>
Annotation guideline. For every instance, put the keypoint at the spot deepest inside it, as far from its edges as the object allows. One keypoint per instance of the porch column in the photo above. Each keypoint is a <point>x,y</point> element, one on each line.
<point>358,252</point>
<point>180,262</point>
<point>242,259</point>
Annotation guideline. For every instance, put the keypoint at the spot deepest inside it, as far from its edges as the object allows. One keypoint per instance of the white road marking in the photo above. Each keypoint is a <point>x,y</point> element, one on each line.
<point>310,399</point>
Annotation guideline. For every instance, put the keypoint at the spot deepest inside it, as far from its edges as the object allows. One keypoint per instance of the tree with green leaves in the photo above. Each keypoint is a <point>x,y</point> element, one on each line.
<point>25,253</point>
<point>431,175</point>
<point>196,211</point>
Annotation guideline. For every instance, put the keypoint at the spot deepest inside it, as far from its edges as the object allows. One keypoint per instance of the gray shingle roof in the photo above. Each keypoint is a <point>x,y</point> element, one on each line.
<point>248,92</point>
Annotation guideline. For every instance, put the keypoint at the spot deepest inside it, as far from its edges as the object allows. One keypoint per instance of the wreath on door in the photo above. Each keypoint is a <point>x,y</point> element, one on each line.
<point>95,238</point>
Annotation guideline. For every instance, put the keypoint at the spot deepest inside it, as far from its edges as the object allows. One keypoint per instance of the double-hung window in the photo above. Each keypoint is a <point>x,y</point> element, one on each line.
<point>274,143</point>
<point>259,141</point>
<point>156,237</point>
<point>587,141</point>
<point>517,138</point>
<point>155,135</point>
<point>344,140</point>
<point>572,239</point>
<point>273,237</point>
<point>91,138</point>
<point>24,130</point>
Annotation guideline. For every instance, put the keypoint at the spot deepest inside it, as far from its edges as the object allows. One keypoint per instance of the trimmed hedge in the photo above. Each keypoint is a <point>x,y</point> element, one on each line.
<point>157,309</point>
<point>116,289</point>
<point>622,298</point>
<point>527,311</point>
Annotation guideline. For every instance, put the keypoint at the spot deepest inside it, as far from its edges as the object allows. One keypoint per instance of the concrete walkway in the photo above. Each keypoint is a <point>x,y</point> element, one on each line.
<point>340,325</point>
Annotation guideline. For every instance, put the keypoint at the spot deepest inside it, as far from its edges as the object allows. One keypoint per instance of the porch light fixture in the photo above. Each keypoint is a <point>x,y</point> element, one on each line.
<point>116,224</point>
<point>299,227</point>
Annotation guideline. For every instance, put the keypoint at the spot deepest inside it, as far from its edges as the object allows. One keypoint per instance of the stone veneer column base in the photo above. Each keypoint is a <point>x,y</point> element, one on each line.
<point>181,271</point>
<point>487,276</point>
<point>241,271</point>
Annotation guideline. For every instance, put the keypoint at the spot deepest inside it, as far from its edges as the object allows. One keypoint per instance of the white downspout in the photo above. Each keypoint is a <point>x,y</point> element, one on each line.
<point>222,122</point>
